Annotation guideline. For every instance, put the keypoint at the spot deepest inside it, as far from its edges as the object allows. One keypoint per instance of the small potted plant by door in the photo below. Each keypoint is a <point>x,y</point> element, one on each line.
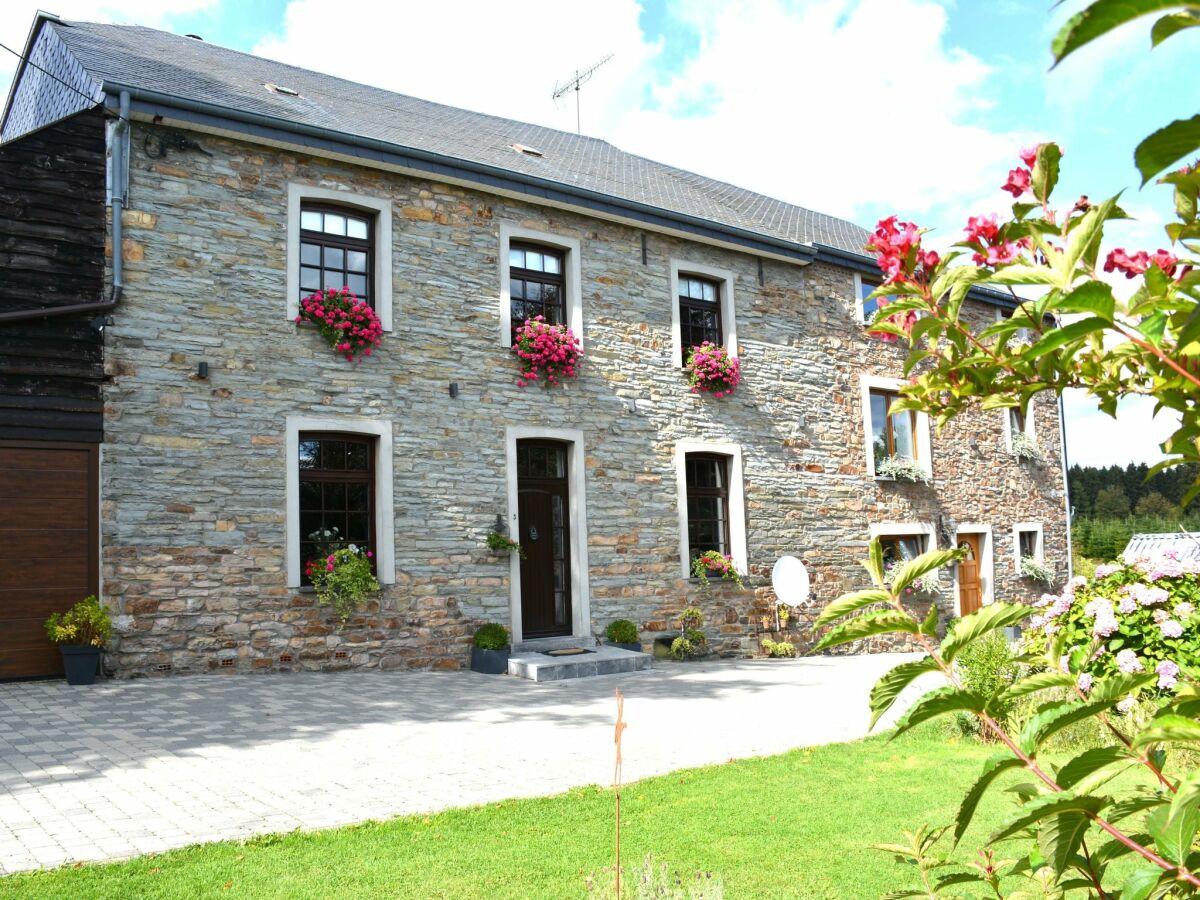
<point>624,634</point>
<point>80,633</point>
<point>489,654</point>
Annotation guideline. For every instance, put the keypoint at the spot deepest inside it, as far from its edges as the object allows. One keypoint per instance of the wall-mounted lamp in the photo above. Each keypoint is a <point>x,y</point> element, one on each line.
<point>500,528</point>
<point>100,323</point>
<point>453,389</point>
<point>202,371</point>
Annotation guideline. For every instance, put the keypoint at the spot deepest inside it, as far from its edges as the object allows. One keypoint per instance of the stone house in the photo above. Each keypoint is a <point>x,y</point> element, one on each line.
<point>228,435</point>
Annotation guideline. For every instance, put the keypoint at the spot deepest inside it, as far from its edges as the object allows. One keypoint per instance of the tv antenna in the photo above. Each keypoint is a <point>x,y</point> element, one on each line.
<point>574,84</point>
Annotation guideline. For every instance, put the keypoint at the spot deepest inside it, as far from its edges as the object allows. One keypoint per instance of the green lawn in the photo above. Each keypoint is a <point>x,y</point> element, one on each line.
<point>796,825</point>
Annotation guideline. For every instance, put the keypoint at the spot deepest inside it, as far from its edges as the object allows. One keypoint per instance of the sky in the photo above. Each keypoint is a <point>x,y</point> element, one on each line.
<point>857,108</point>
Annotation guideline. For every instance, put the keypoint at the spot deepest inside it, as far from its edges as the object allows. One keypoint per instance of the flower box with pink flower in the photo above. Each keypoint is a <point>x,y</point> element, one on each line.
<point>712,370</point>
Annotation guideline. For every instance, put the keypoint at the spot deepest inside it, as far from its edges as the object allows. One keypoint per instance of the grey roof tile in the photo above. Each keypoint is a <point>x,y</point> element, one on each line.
<point>197,70</point>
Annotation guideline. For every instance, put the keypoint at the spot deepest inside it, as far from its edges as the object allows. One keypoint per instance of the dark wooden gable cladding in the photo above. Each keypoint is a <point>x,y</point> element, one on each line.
<point>52,234</point>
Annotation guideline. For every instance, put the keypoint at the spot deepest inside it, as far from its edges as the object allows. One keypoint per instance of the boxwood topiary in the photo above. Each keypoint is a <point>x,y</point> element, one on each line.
<point>491,637</point>
<point>621,631</point>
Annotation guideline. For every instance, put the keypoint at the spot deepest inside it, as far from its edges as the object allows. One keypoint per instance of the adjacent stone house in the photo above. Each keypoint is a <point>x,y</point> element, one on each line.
<point>229,433</point>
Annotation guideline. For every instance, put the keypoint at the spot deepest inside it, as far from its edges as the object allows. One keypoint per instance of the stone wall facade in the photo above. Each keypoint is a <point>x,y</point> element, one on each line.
<point>193,471</point>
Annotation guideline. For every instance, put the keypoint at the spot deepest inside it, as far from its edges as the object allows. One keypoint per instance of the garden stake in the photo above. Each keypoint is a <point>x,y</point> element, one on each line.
<point>620,727</point>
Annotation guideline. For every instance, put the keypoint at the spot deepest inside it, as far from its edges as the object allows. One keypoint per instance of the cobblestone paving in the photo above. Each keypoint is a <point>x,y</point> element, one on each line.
<point>131,767</point>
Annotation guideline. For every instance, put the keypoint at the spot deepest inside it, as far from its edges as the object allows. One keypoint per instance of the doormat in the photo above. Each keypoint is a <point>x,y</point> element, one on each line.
<point>567,651</point>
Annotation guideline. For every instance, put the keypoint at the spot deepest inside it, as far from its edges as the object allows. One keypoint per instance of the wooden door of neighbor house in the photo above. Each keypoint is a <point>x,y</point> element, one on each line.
<point>543,512</point>
<point>49,546</point>
<point>970,577</point>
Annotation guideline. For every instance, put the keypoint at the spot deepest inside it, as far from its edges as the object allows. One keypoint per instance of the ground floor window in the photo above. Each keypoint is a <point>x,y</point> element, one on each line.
<point>337,494</point>
<point>707,503</point>
<point>900,548</point>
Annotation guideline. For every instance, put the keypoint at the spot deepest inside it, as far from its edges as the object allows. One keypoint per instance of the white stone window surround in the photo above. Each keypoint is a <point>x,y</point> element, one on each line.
<point>1039,543</point>
<point>859,315</point>
<point>737,501</point>
<point>987,563</point>
<point>725,278</point>
<point>581,614</point>
<point>385,539</point>
<point>1030,427</point>
<point>572,276</point>
<point>381,210</point>
<point>923,439</point>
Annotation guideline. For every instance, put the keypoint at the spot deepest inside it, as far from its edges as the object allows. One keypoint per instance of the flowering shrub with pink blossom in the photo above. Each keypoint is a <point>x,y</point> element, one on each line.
<point>711,370</point>
<point>1127,619</point>
<point>350,325</point>
<point>718,564</point>
<point>546,350</point>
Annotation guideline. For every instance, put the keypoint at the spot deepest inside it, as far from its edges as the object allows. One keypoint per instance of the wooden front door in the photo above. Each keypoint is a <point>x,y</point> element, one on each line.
<point>970,576</point>
<point>543,515</point>
<point>49,559</point>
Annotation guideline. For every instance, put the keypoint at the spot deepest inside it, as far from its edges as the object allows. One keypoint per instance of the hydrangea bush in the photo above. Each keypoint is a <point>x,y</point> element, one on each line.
<point>1128,619</point>
<point>350,325</point>
<point>545,350</point>
<point>711,370</point>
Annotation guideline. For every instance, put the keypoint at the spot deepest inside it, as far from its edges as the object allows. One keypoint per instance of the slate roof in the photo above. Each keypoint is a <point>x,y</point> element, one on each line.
<point>196,70</point>
<point>1184,546</point>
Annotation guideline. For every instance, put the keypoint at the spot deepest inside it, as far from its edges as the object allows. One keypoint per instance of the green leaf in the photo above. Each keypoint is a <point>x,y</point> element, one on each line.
<point>1059,336</point>
<point>1099,19</point>
<point>1084,242</point>
<point>992,769</point>
<point>1117,687</point>
<point>1045,171</point>
<point>922,565</point>
<point>889,687</point>
<point>1055,718</point>
<point>1090,769</point>
<point>1022,274</point>
<point>1042,681</point>
<point>1040,808</point>
<point>980,622</point>
<point>929,626</point>
<point>1169,729</point>
<point>882,622</point>
<point>1172,24</point>
<point>1123,809</point>
<point>1060,837</point>
<point>1141,883</point>
<point>874,562</point>
<point>1175,839</point>
<point>1167,146</point>
<point>848,603</point>
<point>1094,297</point>
<point>936,703</point>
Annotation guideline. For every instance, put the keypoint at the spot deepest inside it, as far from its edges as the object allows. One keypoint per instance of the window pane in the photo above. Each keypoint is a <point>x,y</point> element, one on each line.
<point>357,456</point>
<point>357,497</point>
<point>903,434</point>
<point>357,284</point>
<point>710,292</point>
<point>1016,421</point>
<point>310,279</point>
<point>356,260</point>
<point>869,309</point>
<point>335,258</point>
<point>516,258</point>
<point>358,528</point>
<point>310,526</point>
<point>310,495</point>
<point>879,444</point>
<point>334,279</point>
<point>533,260</point>
<point>357,228</point>
<point>334,496</point>
<point>333,454</point>
<point>310,452</point>
<point>552,264</point>
<point>335,224</point>
<point>310,221</point>
<point>310,254</point>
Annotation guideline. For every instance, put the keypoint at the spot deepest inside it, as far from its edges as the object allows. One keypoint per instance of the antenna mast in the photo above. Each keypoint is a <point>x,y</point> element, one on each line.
<point>573,84</point>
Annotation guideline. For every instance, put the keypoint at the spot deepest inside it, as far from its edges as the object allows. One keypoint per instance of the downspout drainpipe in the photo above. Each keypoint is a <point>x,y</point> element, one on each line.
<point>118,204</point>
<point>1062,436</point>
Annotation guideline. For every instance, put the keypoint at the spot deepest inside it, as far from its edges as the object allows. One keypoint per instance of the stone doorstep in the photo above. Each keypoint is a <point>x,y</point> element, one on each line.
<point>602,661</point>
<point>541,645</point>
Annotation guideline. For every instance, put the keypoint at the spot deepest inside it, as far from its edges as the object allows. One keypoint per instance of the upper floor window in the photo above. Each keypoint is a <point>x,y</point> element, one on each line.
<point>707,478</point>
<point>867,307</point>
<point>892,434</point>
<point>1016,420</point>
<point>536,284</point>
<point>699,313</point>
<point>337,494</point>
<point>336,251</point>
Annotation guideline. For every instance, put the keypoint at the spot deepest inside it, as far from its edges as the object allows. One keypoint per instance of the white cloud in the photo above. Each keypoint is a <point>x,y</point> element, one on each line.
<point>1096,439</point>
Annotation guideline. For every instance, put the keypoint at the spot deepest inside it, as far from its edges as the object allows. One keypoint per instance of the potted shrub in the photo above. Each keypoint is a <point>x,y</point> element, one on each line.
<point>500,543</point>
<point>80,633</point>
<point>489,654</point>
<point>624,634</point>
<point>692,642</point>
<point>778,649</point>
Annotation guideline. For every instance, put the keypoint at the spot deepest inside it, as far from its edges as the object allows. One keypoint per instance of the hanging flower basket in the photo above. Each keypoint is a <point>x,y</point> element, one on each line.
<point>711,370</point>
<point>350,326</point>
<point>547,350</point>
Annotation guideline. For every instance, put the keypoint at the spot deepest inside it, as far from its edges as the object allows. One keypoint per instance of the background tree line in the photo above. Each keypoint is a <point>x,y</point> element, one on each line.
<point>1113,503</point>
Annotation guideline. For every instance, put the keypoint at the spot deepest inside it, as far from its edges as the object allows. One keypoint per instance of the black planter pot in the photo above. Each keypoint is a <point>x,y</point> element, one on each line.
<point>634,647</point>
<point>489,662</point>
<point>80,662</point>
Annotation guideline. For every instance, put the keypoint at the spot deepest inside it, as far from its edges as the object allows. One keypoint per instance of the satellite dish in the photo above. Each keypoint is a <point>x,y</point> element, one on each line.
<point>789,578</point>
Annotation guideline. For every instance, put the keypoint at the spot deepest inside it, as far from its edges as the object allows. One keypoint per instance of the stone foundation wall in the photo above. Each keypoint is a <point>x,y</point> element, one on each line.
<point>193,472</point>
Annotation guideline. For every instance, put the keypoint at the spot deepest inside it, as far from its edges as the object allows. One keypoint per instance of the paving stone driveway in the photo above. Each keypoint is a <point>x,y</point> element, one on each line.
<point>129,767</point>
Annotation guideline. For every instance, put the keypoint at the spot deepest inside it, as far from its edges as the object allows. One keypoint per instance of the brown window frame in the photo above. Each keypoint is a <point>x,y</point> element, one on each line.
<point>685,302</point>
<point>892,542</point>
<point>1033,539</point>
<point>558,280</point>
<point>889,430</point>
<point>342,476</point>
<point>338,242</point>
<point>724,467</point>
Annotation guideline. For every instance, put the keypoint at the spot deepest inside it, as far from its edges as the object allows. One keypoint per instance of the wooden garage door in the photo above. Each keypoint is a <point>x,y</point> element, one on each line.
<point>48,546</point>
